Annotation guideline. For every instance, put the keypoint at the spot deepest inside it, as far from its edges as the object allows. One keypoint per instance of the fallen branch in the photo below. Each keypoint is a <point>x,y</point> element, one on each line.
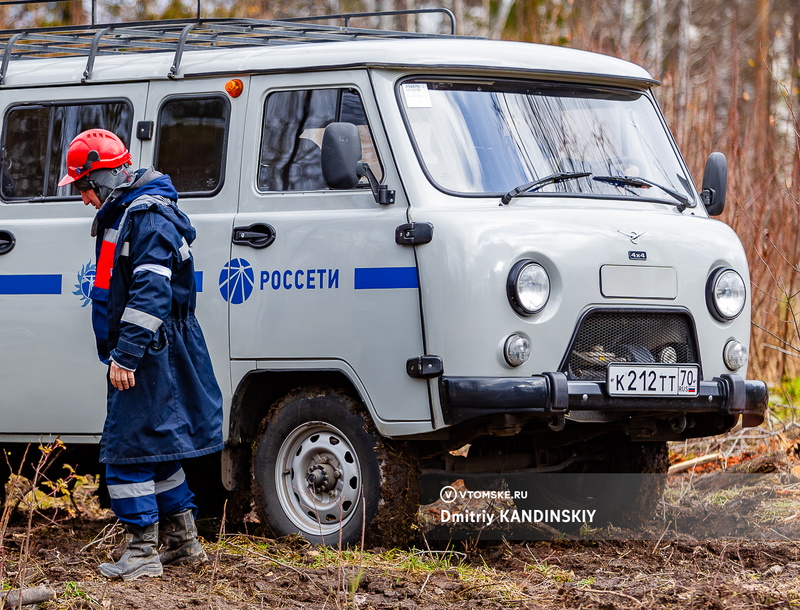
<point>698,461</point>
<point>109,531</point>
<point>30,595</point>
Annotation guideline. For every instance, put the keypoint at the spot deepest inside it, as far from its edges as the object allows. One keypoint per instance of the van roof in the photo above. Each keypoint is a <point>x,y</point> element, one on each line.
<point>187,49</point>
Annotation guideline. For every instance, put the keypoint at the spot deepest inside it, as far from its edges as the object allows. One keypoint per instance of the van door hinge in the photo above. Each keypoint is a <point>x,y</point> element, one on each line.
<point>414,234</point>
<point>425,367</point>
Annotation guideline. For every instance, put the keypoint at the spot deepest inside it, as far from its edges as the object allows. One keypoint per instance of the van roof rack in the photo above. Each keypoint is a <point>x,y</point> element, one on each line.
<point>179,35</point>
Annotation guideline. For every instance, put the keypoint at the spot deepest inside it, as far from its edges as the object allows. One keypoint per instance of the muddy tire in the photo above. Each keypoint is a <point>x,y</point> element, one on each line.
<point>650,459</point>
<point>624,488</point>
<point>321,471</point>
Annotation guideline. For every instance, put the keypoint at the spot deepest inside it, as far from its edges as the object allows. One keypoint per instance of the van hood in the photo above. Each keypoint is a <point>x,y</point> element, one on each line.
<point>654,259</point>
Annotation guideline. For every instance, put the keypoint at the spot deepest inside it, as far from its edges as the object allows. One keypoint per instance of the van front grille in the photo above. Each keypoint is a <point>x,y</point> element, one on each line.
<point>606,336</point>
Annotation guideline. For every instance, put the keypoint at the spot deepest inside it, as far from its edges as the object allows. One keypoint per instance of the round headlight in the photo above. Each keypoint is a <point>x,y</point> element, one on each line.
<point>734,355</point>
<point>517,350</point>
<point>528,287</point>
<point>725,294</point>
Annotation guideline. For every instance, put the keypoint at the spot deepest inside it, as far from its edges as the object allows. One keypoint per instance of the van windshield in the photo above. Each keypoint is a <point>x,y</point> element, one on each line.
<point>495,137</point>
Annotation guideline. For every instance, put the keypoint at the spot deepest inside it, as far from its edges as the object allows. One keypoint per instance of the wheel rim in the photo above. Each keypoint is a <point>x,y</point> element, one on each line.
<point>318,478</point>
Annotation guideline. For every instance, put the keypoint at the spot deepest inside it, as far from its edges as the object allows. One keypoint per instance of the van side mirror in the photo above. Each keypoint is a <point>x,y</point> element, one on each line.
<point>341,155</point>
<point>715,183</point>
<point>342,166</point>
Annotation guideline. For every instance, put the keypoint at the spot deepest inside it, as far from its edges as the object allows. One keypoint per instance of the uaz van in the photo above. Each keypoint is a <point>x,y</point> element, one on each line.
<point>407,244</point>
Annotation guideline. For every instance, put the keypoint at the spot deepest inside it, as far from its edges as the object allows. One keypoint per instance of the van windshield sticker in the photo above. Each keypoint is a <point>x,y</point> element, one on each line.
<point>417,95</point>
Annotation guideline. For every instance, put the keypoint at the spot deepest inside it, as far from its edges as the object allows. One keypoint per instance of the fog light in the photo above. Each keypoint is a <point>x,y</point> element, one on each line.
<point>734,355</point>
<point>668,355</point>
<point>517,350</point>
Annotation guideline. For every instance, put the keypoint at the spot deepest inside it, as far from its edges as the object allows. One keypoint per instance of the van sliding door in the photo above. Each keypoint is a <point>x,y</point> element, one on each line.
<point>51,380</point>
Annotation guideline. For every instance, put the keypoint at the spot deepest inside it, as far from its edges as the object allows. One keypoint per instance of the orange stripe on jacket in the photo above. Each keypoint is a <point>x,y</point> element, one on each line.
<point>105,263</point>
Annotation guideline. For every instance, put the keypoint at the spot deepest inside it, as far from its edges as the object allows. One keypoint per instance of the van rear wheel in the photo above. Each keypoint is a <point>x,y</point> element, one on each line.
<point>321,471</point>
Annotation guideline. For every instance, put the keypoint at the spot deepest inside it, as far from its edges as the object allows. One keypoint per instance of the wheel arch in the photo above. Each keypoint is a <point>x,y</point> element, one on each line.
<point>255,395</point>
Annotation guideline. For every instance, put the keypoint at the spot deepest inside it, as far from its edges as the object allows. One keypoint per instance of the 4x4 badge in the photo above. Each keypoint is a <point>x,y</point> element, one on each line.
<point>637,255</point>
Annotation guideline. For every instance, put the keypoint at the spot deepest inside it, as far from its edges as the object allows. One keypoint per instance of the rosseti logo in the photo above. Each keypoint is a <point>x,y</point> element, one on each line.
<point>85,281</point>
<point>236,281</point>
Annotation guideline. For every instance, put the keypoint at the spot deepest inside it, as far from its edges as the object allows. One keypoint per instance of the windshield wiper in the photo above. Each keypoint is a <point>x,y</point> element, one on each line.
<point>636,182</point>
<point>537,184</point>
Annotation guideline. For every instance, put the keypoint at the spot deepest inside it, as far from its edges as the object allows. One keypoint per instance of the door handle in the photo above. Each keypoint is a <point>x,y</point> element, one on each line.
<point>259,235</point>
<point>7,242</point>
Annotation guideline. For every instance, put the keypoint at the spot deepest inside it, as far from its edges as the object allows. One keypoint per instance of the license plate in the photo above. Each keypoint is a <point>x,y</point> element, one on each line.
<point>653,379</point>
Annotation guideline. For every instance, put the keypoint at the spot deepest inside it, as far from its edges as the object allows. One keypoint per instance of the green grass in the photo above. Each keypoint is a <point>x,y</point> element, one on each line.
<point>72,590</point>
<point>396,564</point>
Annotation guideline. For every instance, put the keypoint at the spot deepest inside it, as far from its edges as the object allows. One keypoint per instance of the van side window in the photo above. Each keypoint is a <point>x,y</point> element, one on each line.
<point>35,141</point>
<point>291,142</point>
<point>192,136</point>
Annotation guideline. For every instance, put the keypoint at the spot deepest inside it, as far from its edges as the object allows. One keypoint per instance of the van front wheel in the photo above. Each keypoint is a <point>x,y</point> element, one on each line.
<point>317,468</point>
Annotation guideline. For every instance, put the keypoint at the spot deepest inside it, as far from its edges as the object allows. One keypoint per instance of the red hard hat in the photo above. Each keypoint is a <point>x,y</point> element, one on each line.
<point>94,149</point>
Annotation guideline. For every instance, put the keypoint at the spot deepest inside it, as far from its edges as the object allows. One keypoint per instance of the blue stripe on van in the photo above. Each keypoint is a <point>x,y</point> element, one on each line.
<point>198,281</point>
<point>30,284</point>
<point>379,278</point>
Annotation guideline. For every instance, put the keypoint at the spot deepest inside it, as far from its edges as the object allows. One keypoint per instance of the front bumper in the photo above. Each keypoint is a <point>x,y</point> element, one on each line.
<point>553,395</point>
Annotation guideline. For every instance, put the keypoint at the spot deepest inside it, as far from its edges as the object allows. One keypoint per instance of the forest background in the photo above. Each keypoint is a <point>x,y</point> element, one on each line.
<point>730,82</point>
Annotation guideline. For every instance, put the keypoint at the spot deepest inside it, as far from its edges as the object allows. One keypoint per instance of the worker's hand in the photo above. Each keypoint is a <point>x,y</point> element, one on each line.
<point>122,379</point>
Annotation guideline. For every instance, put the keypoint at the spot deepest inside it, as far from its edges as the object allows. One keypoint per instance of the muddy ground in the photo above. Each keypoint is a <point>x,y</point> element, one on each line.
<point>556,574</point>
<point>248,571</point>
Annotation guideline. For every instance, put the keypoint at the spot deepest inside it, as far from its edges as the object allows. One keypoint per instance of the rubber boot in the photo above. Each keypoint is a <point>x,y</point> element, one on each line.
<point>181,544</point>
<point>140,557</point>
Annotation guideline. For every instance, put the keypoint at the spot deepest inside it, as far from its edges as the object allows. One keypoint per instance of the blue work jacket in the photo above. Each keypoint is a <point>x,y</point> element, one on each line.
<point>143,304</point>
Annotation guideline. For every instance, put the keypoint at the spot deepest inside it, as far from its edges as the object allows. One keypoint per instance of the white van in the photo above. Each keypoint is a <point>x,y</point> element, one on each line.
<point>406,244</point>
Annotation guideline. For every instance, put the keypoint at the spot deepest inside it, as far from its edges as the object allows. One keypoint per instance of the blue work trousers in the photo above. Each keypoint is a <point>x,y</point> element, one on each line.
<point>140,493</point>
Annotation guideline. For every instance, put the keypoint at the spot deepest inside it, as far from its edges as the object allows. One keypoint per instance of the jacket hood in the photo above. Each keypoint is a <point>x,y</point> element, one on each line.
<point>146,182</point>
<point>179,219</point>
<point>142,182</point>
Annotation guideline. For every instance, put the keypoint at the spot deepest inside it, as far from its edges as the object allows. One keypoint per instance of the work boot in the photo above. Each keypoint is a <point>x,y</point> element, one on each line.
<point>140,557</point>
<point>181,544</point>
